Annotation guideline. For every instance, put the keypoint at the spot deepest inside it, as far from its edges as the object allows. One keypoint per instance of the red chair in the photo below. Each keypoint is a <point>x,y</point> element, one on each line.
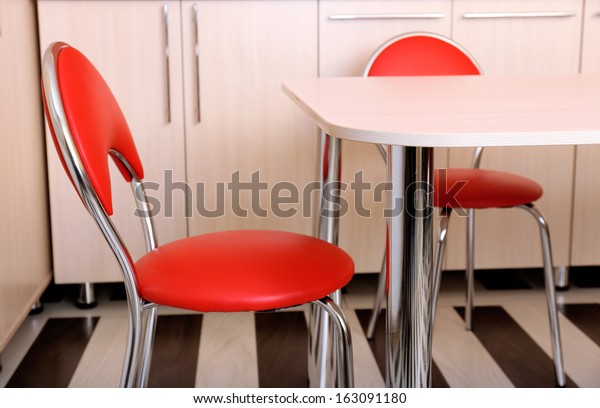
<point>419,54</point>
<point>229,271</point>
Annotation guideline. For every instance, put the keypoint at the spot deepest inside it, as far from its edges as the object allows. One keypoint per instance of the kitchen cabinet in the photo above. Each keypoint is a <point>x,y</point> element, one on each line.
<point>200,85</point>
<point>238,122</point>
<point>590,54</point>
<point>25,241</point>
<point>129,42</point>
<point>519,37</point>
<point>586,193</point>
<point>349,33</point>
<point>211,117</point>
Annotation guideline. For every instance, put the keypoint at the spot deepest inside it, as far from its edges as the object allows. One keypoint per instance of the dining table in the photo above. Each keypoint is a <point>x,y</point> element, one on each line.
<point>411,116</point>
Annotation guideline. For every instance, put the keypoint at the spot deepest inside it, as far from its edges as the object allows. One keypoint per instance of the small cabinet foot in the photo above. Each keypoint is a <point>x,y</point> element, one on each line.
<point>87,296</point>
<point>36,308</point>
<point>561,277</point>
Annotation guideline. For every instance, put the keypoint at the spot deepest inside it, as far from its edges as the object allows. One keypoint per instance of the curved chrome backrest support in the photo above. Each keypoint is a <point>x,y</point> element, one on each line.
<point>141,201</point>
<point>81,181</point>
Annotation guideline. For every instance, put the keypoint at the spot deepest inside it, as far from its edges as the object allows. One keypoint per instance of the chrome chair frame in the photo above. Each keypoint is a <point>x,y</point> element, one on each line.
<point>470,256</point>
<point>143,314</point>
<point>323,367</point>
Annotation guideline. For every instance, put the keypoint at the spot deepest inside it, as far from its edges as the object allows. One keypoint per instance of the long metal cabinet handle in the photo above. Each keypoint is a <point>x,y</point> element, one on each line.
<point>197,50</point>
<point>526,14</point>
<point>167,64</point>
<point>387,16</point>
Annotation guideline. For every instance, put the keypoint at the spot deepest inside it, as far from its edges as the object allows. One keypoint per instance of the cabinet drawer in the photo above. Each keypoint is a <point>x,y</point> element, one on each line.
<point>350,31</point>
<point>512,36</point>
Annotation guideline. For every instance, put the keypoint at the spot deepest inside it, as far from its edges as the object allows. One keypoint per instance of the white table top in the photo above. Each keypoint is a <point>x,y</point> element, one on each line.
<point>455,111</point>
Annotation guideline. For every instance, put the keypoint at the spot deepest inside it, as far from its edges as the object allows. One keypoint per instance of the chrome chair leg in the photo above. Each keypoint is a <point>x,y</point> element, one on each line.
<point>382,274</point>
<point>129,378</point>
<point>378,299</point>
<point>127,364</point>
<point>323,356</point>
<point>149,327</point>
<point>344,364</point>
<point>321,360</point>
<point>550,293</point>
<point>470,269</point>
<point>439,258</point>
<point>315,345</point>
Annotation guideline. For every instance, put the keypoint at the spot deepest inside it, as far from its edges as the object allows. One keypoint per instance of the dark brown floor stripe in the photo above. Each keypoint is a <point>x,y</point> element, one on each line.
<point>54,355</point>
<point>502,279</point>
<point>282,350</point>
<point>378,347</point>
<point>585,276</point>
<point>175,352</point>
<point>586,317</point>
<point>517,354</point>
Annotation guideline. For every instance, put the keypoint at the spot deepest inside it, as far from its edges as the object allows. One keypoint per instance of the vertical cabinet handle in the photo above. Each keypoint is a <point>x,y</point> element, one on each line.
<point>197,51</point>
<point>167,64</point>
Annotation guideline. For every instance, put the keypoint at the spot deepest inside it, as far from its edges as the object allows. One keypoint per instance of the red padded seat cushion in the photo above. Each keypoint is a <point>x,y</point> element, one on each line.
<point>247,270</point>
<point>478,188</point>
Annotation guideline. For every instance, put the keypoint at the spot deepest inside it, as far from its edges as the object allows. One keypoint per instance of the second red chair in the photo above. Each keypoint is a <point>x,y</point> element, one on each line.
<point>418,54</point>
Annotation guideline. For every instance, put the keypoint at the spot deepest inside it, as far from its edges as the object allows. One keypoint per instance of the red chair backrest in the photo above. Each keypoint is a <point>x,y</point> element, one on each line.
<point>419,55</point>
<point>93,118</point>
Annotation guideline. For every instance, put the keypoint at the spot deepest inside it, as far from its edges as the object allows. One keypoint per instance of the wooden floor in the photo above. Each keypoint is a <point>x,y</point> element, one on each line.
<point>509,347</point>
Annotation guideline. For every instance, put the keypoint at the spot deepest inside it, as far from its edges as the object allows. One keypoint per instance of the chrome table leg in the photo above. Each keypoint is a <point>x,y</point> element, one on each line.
<point>410,255</point>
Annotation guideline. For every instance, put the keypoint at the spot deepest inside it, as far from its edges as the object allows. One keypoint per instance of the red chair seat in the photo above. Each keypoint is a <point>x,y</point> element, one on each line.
<point>483,189</point>
<point>246,270</point>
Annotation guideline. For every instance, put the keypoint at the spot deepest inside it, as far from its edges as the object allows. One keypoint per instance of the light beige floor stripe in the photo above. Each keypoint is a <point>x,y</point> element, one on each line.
<point>366,370</point>
<point>102,362</point>
<point>461,358</point>
<point>227,356</point>
<point>581,355</point>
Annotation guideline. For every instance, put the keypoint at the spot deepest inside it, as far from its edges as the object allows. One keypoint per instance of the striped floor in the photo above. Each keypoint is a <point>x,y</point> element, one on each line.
<point>510,346</point>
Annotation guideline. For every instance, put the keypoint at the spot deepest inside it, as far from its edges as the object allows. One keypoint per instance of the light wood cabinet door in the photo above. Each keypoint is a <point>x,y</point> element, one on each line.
<point>128,42</point>
<point>585,248</point>
<point>24,240</point>
<point>246,125</point>
<point>349,33</point>
<point>518,37</point>
<point>590,55</point>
